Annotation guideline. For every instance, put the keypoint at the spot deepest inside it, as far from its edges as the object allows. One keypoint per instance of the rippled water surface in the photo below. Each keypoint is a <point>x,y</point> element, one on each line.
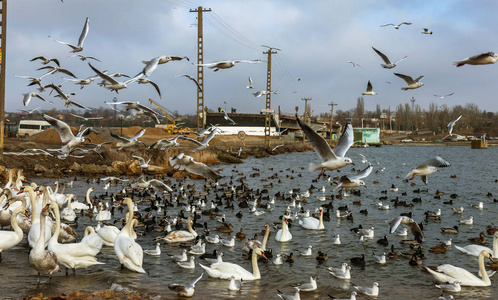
<point>475,172</point>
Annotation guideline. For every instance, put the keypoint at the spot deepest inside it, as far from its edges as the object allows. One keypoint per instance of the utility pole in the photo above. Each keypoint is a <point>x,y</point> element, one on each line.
<point>3,51</point>
<point>331,104</point>
<point>268,94</point>
<point>200,69</point>
<point>306,112</point>
<point>412,100</point>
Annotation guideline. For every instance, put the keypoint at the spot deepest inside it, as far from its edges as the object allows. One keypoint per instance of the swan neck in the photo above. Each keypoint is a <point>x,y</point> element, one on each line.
<point>88,196</point>
<point>265,238</point>
<point>40,244</point>
<point>482,269</point>
<point>57,222</point>
<point>255,268</point>
<point>495,246</point>
<point>13,218</point>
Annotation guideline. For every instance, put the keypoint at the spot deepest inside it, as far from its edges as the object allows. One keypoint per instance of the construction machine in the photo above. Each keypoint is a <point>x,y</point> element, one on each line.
<point>173,127</point>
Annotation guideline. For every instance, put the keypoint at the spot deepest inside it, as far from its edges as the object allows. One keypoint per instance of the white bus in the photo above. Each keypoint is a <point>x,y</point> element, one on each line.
<point>30,127</point>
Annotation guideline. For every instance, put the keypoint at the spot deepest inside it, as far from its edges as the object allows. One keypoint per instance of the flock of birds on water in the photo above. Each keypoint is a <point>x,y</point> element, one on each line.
<point>53,243</point>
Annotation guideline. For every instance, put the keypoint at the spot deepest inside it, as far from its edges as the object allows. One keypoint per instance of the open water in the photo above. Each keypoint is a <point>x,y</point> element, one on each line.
<point>476,176</point>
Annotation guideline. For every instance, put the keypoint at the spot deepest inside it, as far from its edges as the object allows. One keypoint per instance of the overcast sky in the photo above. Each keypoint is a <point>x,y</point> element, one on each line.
<point>317,39</point>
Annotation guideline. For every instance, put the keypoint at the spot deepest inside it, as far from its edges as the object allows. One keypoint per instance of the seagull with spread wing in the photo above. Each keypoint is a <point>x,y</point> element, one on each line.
<point>46,60</point>
<point>35,80</point>
<point>29,112</point>
<point>408,223</point>
<point>428,168</point>
<point>145,81</point>
<point>443,96</point>
<point>184,162</point>
<point>451,124</point>
<point>151,65</point>
<point>84,33</point>
<point>65,97</point>
<point>412,84</point>
<point>228,118</point>
<point>83,57</point>
<point>114,85</point>
<point>480,59</point>
<point>143,164</point>
<point>227,64</point>
<point>53,70</point>
<point>191,78</point>
<point>354,181</point>
<point>85,118</point>
<point>388,64</point>
<point>138,109</point>
<point>27,98</point>
<point>331,159</point>
<point>125,142</point>
<point>396,26</point>
<point>153,183</point>
<point>66,135</point>
<point>369,90</point>
<point>201,145</point>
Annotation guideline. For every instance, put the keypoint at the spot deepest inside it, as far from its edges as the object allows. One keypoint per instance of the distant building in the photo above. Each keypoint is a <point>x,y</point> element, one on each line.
<point>367,135</point>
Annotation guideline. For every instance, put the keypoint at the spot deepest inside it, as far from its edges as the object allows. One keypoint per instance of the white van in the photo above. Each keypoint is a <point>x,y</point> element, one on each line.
<point>30,127</point>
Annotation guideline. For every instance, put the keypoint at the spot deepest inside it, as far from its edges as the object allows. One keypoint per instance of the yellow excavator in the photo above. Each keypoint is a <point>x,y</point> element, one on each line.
<point>170,128</point>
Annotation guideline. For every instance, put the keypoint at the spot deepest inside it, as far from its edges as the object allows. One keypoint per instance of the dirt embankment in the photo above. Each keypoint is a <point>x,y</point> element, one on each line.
<point>109,161</point>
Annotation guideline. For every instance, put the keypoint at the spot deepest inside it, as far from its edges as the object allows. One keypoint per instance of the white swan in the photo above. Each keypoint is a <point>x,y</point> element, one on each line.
<point>92,238</point>
<point>129,252</point>
<point>9,239</point>
<point>73,255</point>
<point>450,273</point>
<point>68,213</point>
<point>66,234</point>
<point>34,231</point>
<point>313,223</point>
<point>103,215</point>
<point>107,233</point>
<point>60,198</point>
<point>225,270</point>
<point>283,235</point>
<point>82,206</point>
<point>475,250</point>
<point>179,236</point>
<point>44,261</point>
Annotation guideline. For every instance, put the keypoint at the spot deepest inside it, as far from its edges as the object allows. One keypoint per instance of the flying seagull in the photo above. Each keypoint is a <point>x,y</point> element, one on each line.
<point>388,64</point>
<point>85,118</point>
<point>408,223</point>
<point>35,80</point>
<point>153,183</point>
<point>151,65</point>
<point>226,64</point>
<point>354,181</point>
<point>426,31</point>
<point>83,57</point>
<point>228,118</point>
<point>204,144</point>
<point>65,98</point>
<point>46,60</point>
<point>480,59</point>
<point>191,78</point>
<point>27,98</point>
<point>84,33</point>
<point>451,124</point>
<point>145,81</point>
<point>29,112</point>
<point>369,90</point>
<point>128,142</point>
<point>138,108</point>
<point>114,85</point>
<point>354,64</point>
<point>428,168</point>
<point>412,84</point>
<point>250,83</point>
<point>66,135</point>
<point>331,159</point>
<point>56,69</point>
<point>396,26</point>
<point>185,162</point>
<point>443,96</point>
<point>143,164</point>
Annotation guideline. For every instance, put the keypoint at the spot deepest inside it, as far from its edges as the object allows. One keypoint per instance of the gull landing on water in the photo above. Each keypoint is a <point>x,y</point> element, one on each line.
<point>412,84</point>
<point>428,168</point>
<point>331,159</point>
